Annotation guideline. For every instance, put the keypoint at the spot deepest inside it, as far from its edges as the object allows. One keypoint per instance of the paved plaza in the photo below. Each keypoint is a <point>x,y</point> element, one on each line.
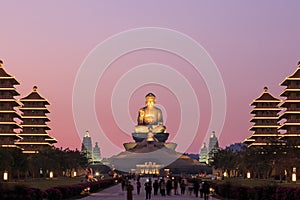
<point>116,193</point>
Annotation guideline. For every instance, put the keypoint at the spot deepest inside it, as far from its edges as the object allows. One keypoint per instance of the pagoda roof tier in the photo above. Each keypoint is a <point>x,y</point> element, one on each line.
<point>30,151</point>
<point>249,140</point>
<point>290,135</point>
<point>265,135</point>
<point>267,144</point>
<point>5,75</point>
<point>263,126</point>
<point>289,124</point>
<point>36,117</point>
<point>11,123</point>
<point>253,119</point>
<point>289,101</point>
<point>289,90</point>
<point>36,126</point>
<point>10,112</point>
<point>51,140</point>
<point>265,97</point>
<point>11,146</point>
<point>293,77</point>
<point>265,109</point>
<point>288,113</point>
<point>10,89</point>
<point>11,135</point>
<point>33,143</point>
<point>34,108</point>
<point>34,96</point>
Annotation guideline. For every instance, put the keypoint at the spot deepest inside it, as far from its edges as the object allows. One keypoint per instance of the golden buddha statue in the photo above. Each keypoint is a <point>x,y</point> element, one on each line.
<point>150,117</point>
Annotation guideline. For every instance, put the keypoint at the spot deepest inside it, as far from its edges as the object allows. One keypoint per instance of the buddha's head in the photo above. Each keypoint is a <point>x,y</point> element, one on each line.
<point>150,100</point>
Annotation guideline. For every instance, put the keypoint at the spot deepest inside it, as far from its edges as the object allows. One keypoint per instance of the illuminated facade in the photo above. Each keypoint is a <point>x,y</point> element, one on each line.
<point>291,105</point>
<point>34,123</point>
<point>207,153</point>
<point>92,154</point>
<point>203,156</point>
<point>265,119</point>
<point>8,114</point>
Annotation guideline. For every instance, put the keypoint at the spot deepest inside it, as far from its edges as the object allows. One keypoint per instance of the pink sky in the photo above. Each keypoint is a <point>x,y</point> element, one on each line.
<point>254,44</point>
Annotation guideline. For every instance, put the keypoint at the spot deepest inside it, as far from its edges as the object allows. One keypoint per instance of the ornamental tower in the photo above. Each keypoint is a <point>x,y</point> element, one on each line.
<point>87,147</point>
<point>203,156</point>
<point>8,114</point>
<point>34,117</point>
<point>265,119</point>
<point>291,105</point>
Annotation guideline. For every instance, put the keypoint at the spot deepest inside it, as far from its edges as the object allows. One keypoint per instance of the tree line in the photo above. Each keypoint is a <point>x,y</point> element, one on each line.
<point>263,162</point>
<point>23,166</point>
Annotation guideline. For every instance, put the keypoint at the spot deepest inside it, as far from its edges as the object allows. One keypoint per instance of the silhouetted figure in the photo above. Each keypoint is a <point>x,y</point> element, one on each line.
<point>175,187</point>
<point>155,187</point>
<point>129,189</point>
<point>162,187</point>
<point>148,189</point>
<point>138,186</point>
<point>169,187</point>
<point>123,184</point>
<point>205,187</point>
<point>196,187</point>
<point>182,187</point>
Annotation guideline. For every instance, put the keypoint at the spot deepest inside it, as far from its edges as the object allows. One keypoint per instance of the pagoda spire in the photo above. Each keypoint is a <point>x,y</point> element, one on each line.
<point>291,104</point>
<point>264,128</point>
<point>35,119</point>
<point>8,114</point>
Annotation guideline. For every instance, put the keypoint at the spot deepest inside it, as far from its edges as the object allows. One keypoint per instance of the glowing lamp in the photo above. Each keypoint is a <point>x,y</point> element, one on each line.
<point>5,176</point>
<point>74,174</point>
<point>248,175</point>
<point>294,175</point>
<point>51,174</point>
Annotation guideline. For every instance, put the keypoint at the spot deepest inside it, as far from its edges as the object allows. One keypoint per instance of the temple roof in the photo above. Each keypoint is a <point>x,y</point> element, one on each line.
<point>266,96</point>
<point>294,76</point>
<point>34,96</point>
<point>4,74</point>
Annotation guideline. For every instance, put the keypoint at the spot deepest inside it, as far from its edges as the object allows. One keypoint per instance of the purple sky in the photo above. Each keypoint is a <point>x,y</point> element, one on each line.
<point>253,43</point>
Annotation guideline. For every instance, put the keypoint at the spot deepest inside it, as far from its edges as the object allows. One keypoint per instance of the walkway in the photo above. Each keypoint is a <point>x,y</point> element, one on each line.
<point>116,193</point>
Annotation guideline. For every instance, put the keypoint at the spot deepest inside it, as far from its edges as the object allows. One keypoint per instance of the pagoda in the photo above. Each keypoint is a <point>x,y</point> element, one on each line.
<point>8,114</point>
<point>265,119</point>
<point>291,106</point>
<point>34,117</point>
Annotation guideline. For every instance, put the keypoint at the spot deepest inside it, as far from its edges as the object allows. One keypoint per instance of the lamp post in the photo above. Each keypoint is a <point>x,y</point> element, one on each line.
<point>294,175</point>
<point>248,174</point>
<point>5,176</point>
<point>51,175</point>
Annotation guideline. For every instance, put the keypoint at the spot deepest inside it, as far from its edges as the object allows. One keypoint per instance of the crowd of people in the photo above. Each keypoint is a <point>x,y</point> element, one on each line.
<point>167,186</point>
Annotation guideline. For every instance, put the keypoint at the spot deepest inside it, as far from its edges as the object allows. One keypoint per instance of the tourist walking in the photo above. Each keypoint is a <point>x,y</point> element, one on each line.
<point>148,189</point>
<point>162,187</point>
<point>169,187</point>
<point>205,187</point>
<point>155,187</point>
<point>129,189</point>
<point>175,187</point>
<point>182,187</point>
<point>138,186</point>
<point>196,187</point>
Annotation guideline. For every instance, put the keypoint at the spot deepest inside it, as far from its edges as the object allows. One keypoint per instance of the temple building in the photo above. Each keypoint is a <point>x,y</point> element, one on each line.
<point>203,156</point>
<point>8,114</point>
<point>34,125</point>
<point>291,106</point>
<point>92,154</point>
<point>206,154</point>
<point>96,153</point>
<point>265,120</point>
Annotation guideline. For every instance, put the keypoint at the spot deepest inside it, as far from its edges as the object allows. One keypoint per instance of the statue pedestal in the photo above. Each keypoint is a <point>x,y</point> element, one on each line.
<point>160,137</point>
